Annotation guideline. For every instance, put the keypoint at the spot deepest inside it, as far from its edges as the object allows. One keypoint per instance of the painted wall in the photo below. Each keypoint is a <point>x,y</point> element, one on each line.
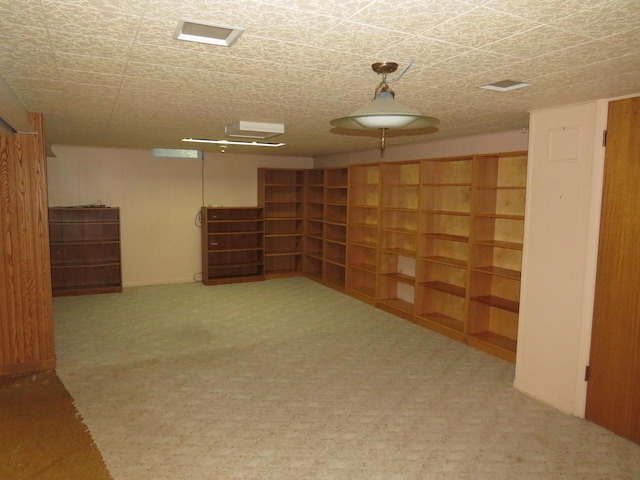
<point>564,189</point>
<point>158,199</point>
<point>510,141</point>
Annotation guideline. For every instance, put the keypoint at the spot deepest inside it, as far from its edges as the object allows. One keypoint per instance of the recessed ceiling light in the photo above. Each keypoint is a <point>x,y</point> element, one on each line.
<point>207,33</point>
<point>232,142</point>
<point>505,85</point>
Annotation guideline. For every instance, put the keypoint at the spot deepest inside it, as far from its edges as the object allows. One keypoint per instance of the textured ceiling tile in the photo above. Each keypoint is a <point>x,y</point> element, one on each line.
<point>428,51</point>
<point>22,12</point>
<point>132,7</point>
<point>89,22</point>
<point>93,45</point>
<point>87,63</point>
<point>583,54</point>
<point>358,39</point>
<point>474,62</point>
<point>543,11</point>
<point>410,15</point>
<point>89,78</point>
<point>600,20</point>
<point>287,25</point>
<point>535,42</point>
<point>627,42</point>
<point>479,27</point>
<point>334,8</point>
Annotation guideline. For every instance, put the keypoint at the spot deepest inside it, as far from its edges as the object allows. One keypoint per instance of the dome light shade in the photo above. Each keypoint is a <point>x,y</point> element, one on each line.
<point>384,112</point>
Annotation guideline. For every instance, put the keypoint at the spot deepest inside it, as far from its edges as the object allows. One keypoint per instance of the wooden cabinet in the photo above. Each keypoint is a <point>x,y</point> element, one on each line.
<point>363,216</point>
<point>398,237</point>
<point>85,250</point>
<point>232,245</point>
<point>281,195</point>
<point>497,227</point>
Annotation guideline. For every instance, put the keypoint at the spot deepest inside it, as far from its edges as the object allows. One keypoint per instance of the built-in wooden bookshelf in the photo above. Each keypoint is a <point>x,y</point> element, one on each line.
<point>335,227</point>
<point>497,231</point>
<point>313,223</point>
<point>437,241</point>
<point>362,231</point>
<point>85,250</point>
<point>281,195</point>
<point>232,245</point>
<point>443,252</point>
<point>400,186</point>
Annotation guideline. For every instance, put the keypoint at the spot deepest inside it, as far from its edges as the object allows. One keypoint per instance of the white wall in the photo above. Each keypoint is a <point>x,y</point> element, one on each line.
<point>510,141</point>
<point>564,188</point>
<point>158,199</point>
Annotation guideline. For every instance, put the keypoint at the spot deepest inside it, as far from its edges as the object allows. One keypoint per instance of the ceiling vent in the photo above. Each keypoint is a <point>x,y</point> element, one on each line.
<point>254,129</point>
<point>207,33</point>
<point>505,85</point>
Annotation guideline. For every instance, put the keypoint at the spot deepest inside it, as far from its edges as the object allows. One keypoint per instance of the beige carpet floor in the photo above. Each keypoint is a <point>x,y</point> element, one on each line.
<point>286,379</point>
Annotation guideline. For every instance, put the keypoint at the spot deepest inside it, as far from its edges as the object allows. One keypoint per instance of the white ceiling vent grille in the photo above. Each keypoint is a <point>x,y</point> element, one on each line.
<point>505,85</point>
<point>254,129</point>
<point>200,32</point>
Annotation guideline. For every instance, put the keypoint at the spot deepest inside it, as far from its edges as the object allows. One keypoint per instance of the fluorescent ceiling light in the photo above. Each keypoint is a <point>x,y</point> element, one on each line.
<point>505,85</point>
<point>232,142</point>
<point>177,153</point>
<point>254,129</point>
<point>211,34</point>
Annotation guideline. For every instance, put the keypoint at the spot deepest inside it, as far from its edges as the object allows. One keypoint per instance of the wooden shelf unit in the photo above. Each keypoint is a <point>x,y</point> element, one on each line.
<point>497,231</point>
<point>313,223</point>
<point>363,214</point>
<point>232,245</point>
<point>281,195</point>
<point>436,241</point>
<point>398,237</point>
<point>443,251</point>
<point>335,227</point>
<point>85,250</point>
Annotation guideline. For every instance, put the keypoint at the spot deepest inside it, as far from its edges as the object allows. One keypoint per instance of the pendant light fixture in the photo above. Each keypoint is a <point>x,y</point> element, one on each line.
<point>384,113</point>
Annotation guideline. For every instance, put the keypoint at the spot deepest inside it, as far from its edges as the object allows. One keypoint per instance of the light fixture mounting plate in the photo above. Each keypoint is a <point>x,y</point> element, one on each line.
<point>384,67</point>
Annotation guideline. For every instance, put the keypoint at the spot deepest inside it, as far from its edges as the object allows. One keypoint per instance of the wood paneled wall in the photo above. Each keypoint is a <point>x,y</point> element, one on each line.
<point>26,312</point>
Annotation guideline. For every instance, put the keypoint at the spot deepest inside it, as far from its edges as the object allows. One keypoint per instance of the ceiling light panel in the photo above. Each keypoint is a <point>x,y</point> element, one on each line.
<point>232,142</point>
<point>244,129</point>
<point>211,34</point>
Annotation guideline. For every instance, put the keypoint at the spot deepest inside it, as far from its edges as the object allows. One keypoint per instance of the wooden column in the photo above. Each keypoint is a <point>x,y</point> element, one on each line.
<point>26,313</point>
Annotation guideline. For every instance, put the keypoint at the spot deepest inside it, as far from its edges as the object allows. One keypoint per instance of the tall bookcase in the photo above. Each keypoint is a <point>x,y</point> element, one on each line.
<point>363,216</point>
<point>497,231</point>
<point>313,222</point>
<point>232,245</point>
<point>443,251</point>
<point>398,237</point>
<point>85,250</point>
<point>335,227</point>
<point>281,195</point>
